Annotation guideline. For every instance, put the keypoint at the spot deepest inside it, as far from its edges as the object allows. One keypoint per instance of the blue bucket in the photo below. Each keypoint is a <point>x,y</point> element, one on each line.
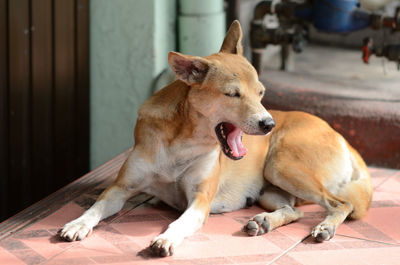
<point>339,16</point>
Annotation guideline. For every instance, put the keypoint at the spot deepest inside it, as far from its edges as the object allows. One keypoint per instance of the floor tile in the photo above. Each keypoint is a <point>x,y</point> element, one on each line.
<point>387,256</point>
<point>124,238</point>
<point>326,257</point>
<point>71,261</point>
<point>8,258</point>
<point>60,217</point>
<point>384,223</point>
<point>43,247</point>
<point>380,176</point>
<point>29,256</point>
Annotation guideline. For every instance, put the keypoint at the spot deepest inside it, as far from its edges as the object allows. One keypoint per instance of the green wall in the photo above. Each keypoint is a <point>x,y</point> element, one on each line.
<point>129,44</point>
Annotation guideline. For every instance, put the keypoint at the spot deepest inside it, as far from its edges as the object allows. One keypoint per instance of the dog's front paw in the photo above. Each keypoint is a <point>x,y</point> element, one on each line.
<point>258,225</point>
<point>162,246</point>
<point>323,232</point>
<point>75,230</point>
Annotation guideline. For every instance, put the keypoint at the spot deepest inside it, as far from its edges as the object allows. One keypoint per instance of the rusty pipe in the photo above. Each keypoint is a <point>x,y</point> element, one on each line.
<point>232,12</point>
<point>257,33</point>
<point>261,9</point>
<point>378,21</point>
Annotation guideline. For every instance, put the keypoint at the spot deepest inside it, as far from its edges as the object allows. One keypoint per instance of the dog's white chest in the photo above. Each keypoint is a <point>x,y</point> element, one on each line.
<point>177,175</point>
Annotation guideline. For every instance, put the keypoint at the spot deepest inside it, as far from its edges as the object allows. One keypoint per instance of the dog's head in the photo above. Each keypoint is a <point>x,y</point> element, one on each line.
<point>224,87</point>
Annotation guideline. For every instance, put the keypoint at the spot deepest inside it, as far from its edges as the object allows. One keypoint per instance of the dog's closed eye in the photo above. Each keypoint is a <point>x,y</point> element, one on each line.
<point>233,94</point>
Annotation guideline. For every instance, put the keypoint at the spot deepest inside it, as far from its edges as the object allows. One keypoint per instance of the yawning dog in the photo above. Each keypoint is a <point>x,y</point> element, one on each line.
<point>205,144</point>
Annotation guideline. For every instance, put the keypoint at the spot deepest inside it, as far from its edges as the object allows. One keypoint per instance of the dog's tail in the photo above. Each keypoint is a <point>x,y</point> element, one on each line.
<point>359,190</point>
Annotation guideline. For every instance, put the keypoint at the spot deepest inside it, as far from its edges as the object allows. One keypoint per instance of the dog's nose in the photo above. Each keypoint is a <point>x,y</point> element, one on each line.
<point>266,125</point>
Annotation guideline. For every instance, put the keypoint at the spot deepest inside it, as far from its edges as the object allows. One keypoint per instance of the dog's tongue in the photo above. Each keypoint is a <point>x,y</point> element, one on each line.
<point>235,143</point>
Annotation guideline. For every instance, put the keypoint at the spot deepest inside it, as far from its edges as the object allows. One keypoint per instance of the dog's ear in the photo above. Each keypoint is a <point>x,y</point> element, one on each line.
<point>189,69</point>
<point>233,40</point>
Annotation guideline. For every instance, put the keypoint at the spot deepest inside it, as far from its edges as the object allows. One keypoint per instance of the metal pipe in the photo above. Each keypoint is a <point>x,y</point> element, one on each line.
<point>261,9</point>
<point>258,38</point>
<point>232,12</point>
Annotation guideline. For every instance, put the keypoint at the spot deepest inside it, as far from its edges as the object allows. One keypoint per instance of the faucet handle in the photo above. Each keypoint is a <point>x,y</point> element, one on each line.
<point>368,43</point>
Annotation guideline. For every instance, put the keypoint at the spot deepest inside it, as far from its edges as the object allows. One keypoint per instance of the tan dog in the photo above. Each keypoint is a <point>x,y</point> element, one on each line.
<point>190,152</point>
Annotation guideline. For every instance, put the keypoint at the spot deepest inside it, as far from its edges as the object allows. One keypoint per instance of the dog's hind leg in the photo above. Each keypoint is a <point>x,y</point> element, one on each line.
<point>109,202</point>
<point>283,212</point>
<point>353,200</point>
<point>301,182</point>
<point>338,210</point>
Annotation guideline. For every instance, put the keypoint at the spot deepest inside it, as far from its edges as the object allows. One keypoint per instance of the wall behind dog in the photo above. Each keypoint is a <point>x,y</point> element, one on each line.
<point>130,41</point>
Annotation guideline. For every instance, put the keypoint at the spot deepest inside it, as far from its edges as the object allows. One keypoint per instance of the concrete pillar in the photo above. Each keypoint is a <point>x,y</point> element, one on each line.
<point>201,26</point>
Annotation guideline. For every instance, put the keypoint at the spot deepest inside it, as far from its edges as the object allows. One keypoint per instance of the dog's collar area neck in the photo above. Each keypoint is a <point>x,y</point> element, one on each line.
<point>230,139</point>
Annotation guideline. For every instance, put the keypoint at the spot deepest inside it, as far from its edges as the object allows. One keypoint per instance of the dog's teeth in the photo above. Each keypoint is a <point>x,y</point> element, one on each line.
<point>221,127</point>
<point>223,134</point>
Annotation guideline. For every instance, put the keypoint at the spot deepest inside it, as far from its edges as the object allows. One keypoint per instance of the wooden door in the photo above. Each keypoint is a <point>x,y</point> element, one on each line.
<point>44,98</point>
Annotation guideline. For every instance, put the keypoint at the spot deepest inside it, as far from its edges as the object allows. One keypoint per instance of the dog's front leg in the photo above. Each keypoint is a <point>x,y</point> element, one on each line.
<point>200,195</point>
<point>188,223</point>
<point>109,202</point>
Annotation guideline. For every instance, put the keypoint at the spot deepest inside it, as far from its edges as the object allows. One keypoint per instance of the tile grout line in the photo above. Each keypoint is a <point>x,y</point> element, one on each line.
<point>350,251</point>
<point>64,250</point>
<point>386,179</point>
<point>128,210</point>
<point>288,250</point>
<point>369,240</point>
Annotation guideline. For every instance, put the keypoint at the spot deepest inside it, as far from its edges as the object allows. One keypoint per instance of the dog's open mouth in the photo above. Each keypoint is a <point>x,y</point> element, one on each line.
<point>230,138</point>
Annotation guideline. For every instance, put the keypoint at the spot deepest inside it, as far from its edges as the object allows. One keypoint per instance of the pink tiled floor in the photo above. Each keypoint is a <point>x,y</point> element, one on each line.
<point>122,239</point>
